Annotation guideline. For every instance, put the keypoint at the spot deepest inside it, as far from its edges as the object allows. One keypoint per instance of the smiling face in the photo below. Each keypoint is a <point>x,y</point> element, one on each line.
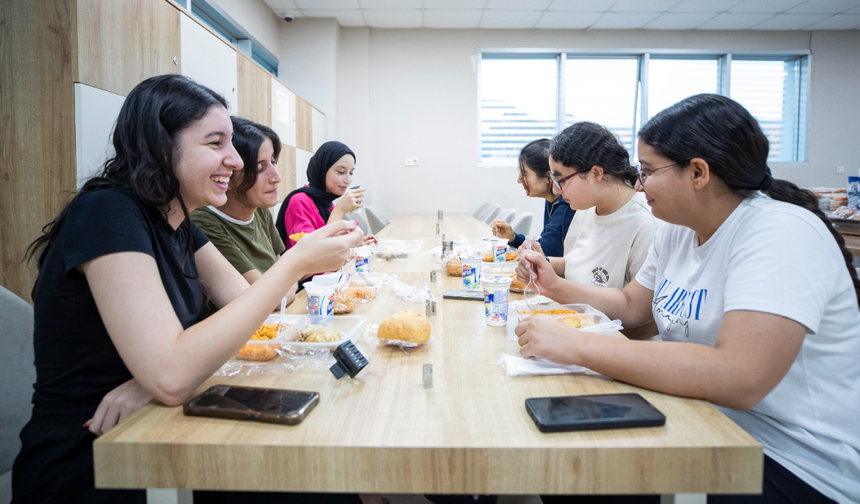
<point>264,192</point>
<point>664,189</point>
<point>339,176</point>
<point>534,185</point>
<point>206,159</point>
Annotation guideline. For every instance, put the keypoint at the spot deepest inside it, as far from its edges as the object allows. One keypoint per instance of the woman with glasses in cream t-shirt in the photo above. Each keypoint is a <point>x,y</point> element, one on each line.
<point>612,229</point>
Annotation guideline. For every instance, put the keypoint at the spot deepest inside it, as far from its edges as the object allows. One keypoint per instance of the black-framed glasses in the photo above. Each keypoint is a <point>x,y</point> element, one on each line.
<point>560,182</point>
<point>643,175</point>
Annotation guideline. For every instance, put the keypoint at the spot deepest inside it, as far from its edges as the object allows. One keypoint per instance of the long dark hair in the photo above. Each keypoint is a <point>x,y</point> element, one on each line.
<point>723,133</point>
<point>535,155</point>
<point>248,137</point>
<point>585,144</point>
<point>146,142</point>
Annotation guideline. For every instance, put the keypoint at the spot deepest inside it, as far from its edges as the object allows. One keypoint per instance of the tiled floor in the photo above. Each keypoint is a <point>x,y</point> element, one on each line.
<point>503,499</point>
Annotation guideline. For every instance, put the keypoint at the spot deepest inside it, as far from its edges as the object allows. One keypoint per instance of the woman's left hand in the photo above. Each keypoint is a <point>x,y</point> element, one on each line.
<point>117,405</point>
<point>367,240</point>
<point>542,337</point>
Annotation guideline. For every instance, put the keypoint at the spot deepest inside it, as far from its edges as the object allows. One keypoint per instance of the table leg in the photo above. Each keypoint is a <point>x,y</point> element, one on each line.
<point>169,496</point>
<point>684,499</point>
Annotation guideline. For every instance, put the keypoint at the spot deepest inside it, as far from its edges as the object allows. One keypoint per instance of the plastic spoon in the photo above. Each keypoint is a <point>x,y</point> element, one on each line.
<point>532,291</point>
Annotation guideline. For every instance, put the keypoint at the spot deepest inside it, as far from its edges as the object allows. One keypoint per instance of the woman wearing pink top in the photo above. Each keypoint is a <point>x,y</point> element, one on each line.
<point>310,207</point>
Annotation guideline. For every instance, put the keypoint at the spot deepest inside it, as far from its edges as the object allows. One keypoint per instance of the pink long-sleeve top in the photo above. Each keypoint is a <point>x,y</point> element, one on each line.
<point>302,216</point>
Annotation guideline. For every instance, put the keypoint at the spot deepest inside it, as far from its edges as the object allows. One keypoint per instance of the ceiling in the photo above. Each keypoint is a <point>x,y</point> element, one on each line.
<point>582,14</point>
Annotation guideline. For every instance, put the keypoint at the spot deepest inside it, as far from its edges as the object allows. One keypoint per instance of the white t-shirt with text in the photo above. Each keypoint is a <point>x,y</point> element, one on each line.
<point>778,258</point>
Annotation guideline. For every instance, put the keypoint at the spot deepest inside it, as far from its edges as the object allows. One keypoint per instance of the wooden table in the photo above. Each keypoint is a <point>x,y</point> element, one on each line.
<point>383,432</point>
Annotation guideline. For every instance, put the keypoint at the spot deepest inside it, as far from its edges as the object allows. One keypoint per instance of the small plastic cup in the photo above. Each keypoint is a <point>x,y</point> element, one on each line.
<point>362,259</point>
<point>320,299</point>
<point>472,271</point>
<point>496,293</point>
<point>500,250</point>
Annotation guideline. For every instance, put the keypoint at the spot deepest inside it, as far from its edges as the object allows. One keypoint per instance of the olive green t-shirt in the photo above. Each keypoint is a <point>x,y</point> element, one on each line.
<point>248,245</point>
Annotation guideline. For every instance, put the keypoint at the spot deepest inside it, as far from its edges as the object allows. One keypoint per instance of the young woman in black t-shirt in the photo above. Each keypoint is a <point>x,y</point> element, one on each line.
<point>122,275</point>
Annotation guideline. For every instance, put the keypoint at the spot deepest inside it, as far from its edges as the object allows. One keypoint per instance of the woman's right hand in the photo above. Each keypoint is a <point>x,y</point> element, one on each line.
<point>545,275</point>
<point>328,248</point>
<point>351,200</point>
<point>503,230</point>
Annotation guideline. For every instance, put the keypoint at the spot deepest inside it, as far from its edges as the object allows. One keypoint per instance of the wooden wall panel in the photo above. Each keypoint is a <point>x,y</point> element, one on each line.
<point>37,136</point>
<point>124,42</point>
<point>287,169</point>
<point>304,125</point>
<point>254,92</point>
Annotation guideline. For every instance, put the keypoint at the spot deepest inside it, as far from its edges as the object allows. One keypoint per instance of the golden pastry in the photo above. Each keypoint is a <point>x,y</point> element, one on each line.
<point>406,325</point>
<point>316,333</point>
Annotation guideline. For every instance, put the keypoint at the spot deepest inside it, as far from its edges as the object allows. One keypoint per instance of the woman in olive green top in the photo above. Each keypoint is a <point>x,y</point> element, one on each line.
<point>243,229</point>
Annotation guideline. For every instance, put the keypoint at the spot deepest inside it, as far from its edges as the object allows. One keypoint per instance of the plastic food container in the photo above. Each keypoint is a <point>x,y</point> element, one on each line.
<point>587,318</point>
<point>264,350</point>
<point>349,327</point>
<point>395,249</point>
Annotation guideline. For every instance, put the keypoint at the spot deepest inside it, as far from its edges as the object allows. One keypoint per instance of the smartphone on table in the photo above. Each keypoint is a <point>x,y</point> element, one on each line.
<point>591,412</point>
<point>250,403</point>
<point>471,294</point>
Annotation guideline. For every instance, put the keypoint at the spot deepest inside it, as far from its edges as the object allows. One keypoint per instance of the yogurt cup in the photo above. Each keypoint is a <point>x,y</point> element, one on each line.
<point>472,271</point>
<point>320,299</point>
<point>500,250</point>
<point>362,259</point>
<point>496,293</point>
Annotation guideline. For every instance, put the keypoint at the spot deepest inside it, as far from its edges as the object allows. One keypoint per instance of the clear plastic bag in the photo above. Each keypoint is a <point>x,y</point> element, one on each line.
<point>412,293</point>
<point>515,365</point>
<point>371,331</point>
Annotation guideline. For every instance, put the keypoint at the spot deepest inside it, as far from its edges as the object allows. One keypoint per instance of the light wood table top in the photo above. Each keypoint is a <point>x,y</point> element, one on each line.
<point>383,432</point>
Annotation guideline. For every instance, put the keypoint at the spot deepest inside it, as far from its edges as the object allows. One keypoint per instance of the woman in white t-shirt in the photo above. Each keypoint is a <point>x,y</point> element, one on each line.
<point>753,274</point>
<point>612,230</point>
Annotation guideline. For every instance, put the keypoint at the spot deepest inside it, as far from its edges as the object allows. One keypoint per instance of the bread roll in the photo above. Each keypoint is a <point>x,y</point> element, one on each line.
<point>343,302</point>
<point>406,325</point>
<point>517,286</point>
<point>454,267</point>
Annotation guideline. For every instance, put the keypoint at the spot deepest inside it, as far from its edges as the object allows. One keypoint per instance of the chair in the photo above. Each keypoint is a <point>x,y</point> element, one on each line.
<point>480,212</point>
<point>491,215</point>
<point>362,220</point>
<point>375,220</point>
<point>522,224</point>
<point>17,375</point>
<point>507,215</point>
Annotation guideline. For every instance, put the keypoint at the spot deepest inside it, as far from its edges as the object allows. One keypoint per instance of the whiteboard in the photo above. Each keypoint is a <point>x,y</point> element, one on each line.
<point>284,114</point>
<point>95,116</point>
<point>209,61</point>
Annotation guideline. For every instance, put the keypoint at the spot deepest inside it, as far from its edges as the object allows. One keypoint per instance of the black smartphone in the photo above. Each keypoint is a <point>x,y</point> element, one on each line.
<point>591,412</point>
<point>250,403</point>
<point>475,294</point>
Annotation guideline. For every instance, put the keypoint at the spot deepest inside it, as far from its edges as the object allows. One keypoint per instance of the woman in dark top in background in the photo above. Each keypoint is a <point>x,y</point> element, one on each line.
<point>122,273</point>
<point>535,179</point>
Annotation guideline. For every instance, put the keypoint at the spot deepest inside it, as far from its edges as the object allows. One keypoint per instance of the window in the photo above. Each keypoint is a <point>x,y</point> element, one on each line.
<point>518,104</point>
<point>524,97</point>
<point>604,91</point>
<point>224,25</point>
<point>672,80</point>
<point>770,90</point>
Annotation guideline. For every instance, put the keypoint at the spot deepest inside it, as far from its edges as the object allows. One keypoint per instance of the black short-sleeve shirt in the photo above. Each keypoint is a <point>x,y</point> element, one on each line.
<point>76,361</point>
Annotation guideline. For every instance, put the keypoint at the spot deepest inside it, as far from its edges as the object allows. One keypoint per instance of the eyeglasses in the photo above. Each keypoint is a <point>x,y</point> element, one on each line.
<point>560,182</point>
<point>643,174</point>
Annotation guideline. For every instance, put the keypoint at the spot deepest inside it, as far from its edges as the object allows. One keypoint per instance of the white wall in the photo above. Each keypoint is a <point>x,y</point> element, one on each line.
<point>257,19</point>
<point>413,93</point>
<point>309,64</point>
<point>834,114</point>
